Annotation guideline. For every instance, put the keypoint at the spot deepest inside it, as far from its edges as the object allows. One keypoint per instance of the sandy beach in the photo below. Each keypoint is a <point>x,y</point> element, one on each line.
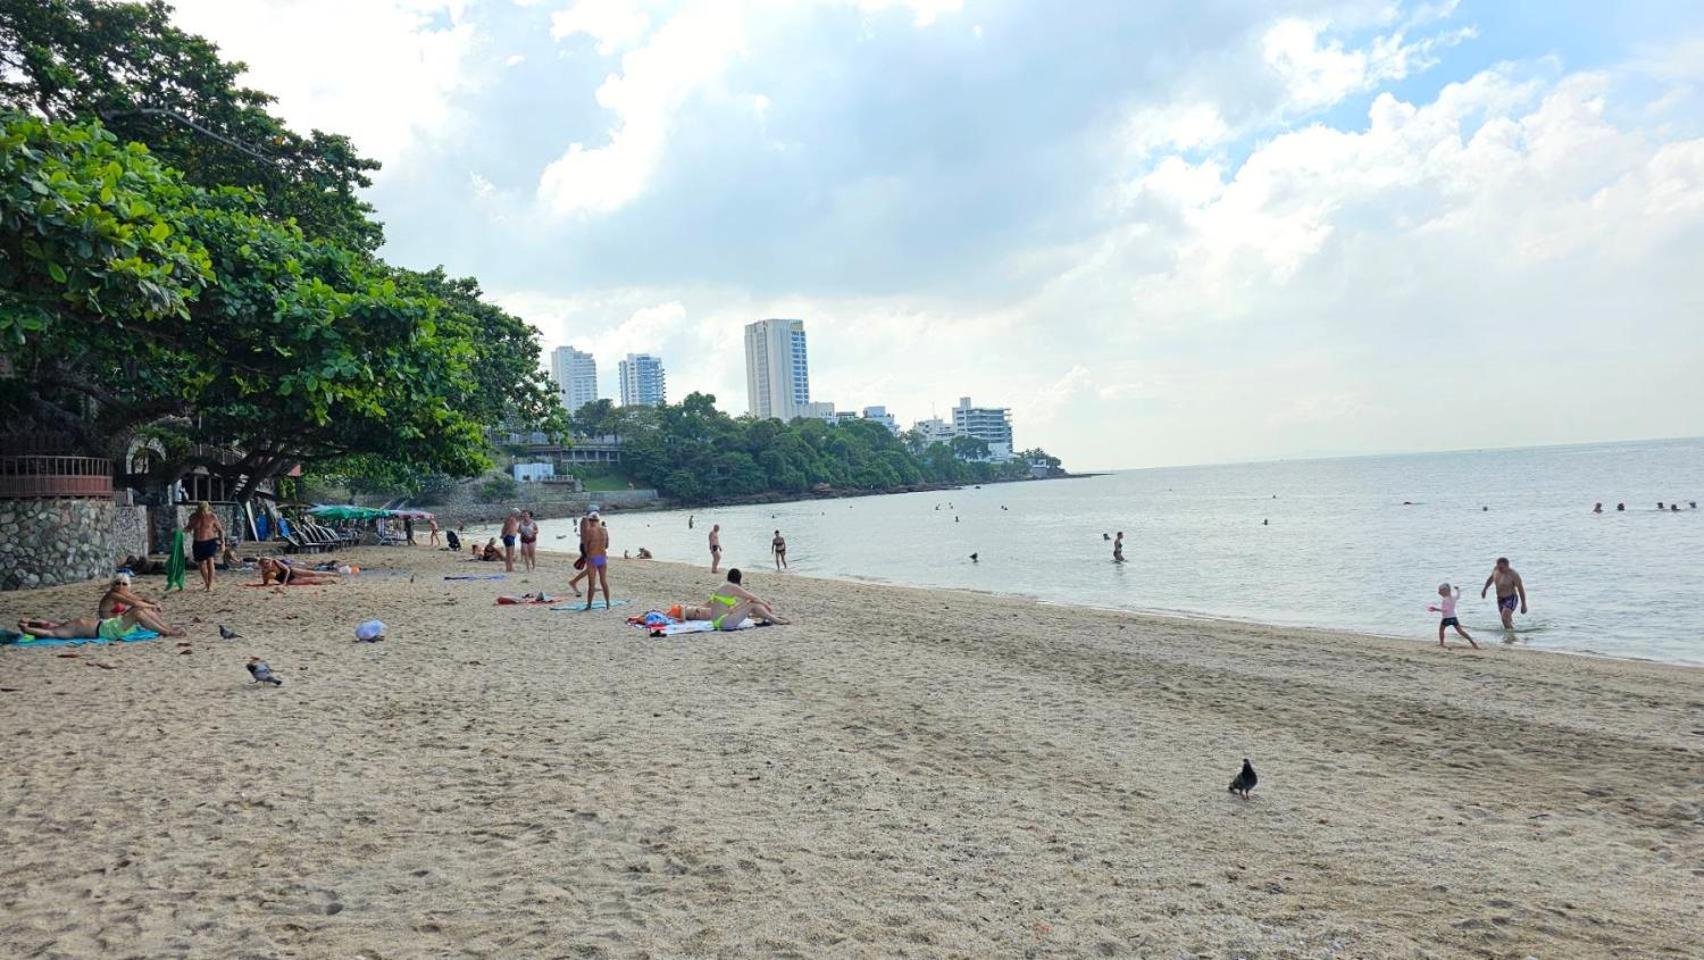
<point>902,773</point>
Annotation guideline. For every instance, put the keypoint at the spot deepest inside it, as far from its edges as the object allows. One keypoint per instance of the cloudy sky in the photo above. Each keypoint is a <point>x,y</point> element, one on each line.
<point>1162,233</point>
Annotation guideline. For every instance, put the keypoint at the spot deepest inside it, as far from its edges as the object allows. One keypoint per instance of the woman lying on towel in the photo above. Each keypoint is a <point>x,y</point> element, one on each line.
<point>730,606</point>
<point>286,574</point>
<point>96,628</point>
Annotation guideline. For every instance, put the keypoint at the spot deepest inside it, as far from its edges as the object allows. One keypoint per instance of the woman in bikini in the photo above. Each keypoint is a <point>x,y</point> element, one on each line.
<point>118,598</point>
<point>528,531</point>
<point>732,605</point>
<point>287,574</point>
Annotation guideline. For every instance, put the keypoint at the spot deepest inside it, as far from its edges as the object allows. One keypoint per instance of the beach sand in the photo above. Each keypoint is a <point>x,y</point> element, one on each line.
<point>903,773</point>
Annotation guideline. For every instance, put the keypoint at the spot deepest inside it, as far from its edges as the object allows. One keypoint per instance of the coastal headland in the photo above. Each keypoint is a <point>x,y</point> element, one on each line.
<point>902,772</point>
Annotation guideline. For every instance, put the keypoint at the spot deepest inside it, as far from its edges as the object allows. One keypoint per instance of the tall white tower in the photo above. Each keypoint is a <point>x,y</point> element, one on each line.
<point>778,377</point>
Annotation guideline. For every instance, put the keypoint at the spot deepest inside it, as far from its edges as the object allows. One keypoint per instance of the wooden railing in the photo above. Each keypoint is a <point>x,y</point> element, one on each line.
<point>25,478</point>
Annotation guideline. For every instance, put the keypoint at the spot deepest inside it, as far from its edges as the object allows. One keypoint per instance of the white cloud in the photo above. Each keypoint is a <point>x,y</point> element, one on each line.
<point>514,60</point>
<point>614,24</point>
<point>383,72</point>
<point>1318,71</point>
<point>923,12</point>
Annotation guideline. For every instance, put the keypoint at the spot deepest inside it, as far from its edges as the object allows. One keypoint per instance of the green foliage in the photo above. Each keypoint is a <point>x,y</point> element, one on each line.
<point>154,303</point>
<point>692,452</point>
<point>125,65</point>
<point>500,488</point>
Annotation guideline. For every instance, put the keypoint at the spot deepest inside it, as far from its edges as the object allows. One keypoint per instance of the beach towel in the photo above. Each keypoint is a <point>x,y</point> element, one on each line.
<point>11,638</point>
<point>581,608</point>
<point>175,564</point>
<point>477,576</point>
<point>694,626</point>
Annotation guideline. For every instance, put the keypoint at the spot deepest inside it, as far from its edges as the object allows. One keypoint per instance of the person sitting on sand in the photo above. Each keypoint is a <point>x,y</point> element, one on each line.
<point>644,554</point>
<point>118,598</point>
<point>490,553</point>
<point>733,605</point>
<point>286,574</point>
<point>98,628</point>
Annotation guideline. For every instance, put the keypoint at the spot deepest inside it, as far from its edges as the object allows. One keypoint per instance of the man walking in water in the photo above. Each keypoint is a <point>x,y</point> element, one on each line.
<point>1118,548</point>
<point>205,534</point>
<point>715,547</point>
<point>1510,589</point>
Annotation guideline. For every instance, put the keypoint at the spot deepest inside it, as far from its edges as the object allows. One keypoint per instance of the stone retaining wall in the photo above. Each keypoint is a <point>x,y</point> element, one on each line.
<point>48,542</point>
<point>129,532</point>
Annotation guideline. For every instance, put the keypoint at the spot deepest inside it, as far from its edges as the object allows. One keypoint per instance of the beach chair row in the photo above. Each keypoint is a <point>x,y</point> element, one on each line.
<point>312,538</point>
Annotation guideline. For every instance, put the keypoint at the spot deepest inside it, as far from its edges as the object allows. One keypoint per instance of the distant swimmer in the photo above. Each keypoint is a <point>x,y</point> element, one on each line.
<point>1266,523</point>
<point>1106,536</point>
<point>1660,505</point>
<point>1692,503</point>
<point>955,518</point>
<point>1674,508</point>
<point>1510,590</point>
<point>1621,508</point>
<point>1597,508</point>
<point>689,521</point>
<point>1485,509</point>
<point>973,558</point>
<point>1118,548</point>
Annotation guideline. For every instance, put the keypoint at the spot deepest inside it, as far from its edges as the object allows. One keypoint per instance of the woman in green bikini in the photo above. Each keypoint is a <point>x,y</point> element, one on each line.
<point>96,628</point>
<point>732,605</point>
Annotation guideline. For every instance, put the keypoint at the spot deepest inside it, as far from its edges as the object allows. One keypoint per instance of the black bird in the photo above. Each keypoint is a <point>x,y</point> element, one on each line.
<point>1245,780</point>
<point>262,673</point>
<point>226,633</point>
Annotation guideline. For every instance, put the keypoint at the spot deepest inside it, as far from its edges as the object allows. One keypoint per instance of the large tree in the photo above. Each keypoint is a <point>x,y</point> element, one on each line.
<point>125,65</point>
<point>134,303</point>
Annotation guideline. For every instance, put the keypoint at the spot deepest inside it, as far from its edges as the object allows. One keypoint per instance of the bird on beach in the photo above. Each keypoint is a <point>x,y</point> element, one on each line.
<point>226,633</point>
<point>1245,780</point>
<point>262,672</point>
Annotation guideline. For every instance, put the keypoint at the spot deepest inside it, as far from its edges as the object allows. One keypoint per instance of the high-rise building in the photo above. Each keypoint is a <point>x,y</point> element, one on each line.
<point>778,377</point>
<point>576,376</point>
<point>992,425</point>
<point>642,381</point>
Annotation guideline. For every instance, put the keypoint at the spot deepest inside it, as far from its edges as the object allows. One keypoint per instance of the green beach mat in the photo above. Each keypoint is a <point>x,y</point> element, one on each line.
<point>175,565</point>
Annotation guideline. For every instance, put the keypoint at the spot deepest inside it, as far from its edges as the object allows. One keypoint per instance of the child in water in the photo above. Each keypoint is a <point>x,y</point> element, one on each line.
<point>1447,607</point>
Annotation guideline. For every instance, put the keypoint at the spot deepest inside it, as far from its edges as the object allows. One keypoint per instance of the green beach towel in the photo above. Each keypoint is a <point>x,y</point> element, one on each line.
<point>175,566</point>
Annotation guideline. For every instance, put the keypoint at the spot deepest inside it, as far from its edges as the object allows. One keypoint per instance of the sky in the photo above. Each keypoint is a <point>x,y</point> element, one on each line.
<point>1161,232</point>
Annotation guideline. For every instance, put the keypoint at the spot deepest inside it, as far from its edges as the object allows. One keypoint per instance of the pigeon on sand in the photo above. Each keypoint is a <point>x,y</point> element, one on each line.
<point>1244,780</point>
<point>262,673</point>
<point>226,633</point>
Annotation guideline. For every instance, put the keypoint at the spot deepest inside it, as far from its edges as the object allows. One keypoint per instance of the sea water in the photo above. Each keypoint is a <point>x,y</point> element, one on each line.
<point>1355,544</point>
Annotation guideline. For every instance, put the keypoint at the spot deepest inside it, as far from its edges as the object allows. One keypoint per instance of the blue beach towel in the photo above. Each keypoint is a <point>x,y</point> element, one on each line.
<point>11,638</point>
<point>581,608</point>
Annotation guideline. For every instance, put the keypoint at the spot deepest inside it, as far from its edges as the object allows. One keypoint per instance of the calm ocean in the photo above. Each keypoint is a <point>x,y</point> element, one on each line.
<point>1340,550</point>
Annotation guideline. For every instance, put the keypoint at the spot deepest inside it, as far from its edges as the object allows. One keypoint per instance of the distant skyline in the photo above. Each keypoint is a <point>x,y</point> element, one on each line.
<point>1161,233</point>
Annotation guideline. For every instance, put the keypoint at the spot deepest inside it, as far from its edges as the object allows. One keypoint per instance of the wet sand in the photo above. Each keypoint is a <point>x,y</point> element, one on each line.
<point>902,773</point>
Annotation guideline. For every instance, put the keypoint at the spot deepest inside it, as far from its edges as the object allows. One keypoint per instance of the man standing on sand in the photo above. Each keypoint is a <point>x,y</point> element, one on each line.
<point>1509,590</point>
<point>511,527</point>
<point>205,533</point>
<point>715,547</point>
<point>597,560</point>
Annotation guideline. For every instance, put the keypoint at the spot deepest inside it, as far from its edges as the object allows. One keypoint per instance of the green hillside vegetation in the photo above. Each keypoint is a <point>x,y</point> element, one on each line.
<point>693,453</point>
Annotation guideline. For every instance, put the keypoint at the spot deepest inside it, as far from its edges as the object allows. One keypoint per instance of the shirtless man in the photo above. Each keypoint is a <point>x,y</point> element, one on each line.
<point>511,529</point>
<point>1118,548</point>
<point>597,560</point>
<point>715,547</point>
<point>205,533</point>
<point>1510,589</point>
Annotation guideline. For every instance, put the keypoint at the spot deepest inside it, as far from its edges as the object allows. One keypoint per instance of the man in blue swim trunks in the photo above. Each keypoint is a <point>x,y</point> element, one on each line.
<point>597,559</point>
<point>1510,591</point>
<point>511,527</point>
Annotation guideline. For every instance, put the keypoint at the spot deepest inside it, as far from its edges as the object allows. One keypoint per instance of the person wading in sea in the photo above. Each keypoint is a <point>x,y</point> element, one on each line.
<point>715,547</point>
<point>1510,590</point>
